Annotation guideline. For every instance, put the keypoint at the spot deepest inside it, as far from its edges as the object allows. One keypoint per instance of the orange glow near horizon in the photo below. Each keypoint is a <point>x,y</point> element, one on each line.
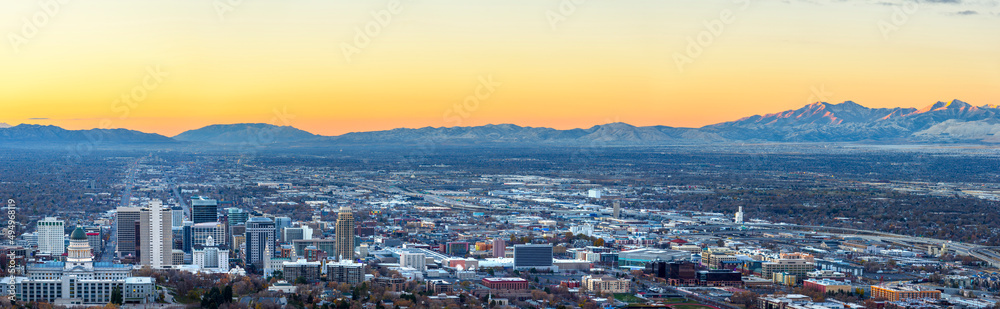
<point>284,63</point>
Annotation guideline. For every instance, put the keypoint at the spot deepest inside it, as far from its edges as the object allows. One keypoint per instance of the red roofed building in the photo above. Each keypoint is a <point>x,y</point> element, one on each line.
<point>506,283</point>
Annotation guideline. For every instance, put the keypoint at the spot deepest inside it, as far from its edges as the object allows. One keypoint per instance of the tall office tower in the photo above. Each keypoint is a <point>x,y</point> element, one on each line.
<point>51,236</point>
<point>155,249</point>
<point>236,216</point>
<point>617,211</point>
<point>259,240</point>
<point>345,234</point>
<point>178,216</point>
<point>204,210</point>
<point>739,216</point>
<point>280,223</point>
<point>177,233</point>
<point>125,221</point>
<point>187,236</point>
<point>499,248</point>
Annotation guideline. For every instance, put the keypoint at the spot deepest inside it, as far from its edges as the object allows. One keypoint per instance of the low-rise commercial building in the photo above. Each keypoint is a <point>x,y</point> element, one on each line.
<point>345,272</point>
<point>638,258</point>
<point>506,283</point>
<point>827,285</point>
<point>301,268</point>
<point>899,292</point>
<point>606,284</point>
<point>797,267</point>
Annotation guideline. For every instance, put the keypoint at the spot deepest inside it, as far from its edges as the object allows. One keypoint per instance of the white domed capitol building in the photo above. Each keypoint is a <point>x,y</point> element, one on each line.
<point>78,280</point>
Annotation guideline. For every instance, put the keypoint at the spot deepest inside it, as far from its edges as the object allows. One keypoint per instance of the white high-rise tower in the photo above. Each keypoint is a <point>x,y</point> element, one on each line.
<point>51,236</point>
<point>739,216</point>
<point>155,232</point>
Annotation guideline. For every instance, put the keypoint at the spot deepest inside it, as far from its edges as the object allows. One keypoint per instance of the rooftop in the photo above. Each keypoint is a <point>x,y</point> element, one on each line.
<point>139,280</point>
<point>505,279</point>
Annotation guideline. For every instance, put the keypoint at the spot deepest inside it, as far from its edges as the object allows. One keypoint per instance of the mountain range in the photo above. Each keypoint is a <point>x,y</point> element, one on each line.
<point>941,122</point>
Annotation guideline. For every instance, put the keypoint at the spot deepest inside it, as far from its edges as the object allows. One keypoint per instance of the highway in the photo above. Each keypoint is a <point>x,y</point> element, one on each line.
<point>110,247</point>
<point>108,255</point>
<point>988,254</point>
<point>180,200</point>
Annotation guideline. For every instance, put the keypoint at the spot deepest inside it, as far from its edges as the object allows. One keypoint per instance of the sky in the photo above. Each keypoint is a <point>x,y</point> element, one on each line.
<point>333,66</point>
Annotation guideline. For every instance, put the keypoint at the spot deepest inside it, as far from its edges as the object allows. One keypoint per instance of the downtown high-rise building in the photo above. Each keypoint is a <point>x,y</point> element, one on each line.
<point>155,228</point>
<point>280,224</point>
<point>344,234</point>
<point>236,216</point>
<point>178,216</point>
<point>186,236</point>
<point>51,236</point>
<point>125,220</point>
<point>204,210</point>
<point>259,241</point>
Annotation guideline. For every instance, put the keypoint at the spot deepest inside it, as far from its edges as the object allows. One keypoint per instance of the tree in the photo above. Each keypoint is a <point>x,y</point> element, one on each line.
<point>747,299</point>
<point>116,296</point>
<point>599,242</point>
<point>212,299</point>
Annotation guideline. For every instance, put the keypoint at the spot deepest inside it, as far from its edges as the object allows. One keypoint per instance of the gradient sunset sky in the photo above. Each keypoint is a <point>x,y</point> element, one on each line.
<point>553,63</point>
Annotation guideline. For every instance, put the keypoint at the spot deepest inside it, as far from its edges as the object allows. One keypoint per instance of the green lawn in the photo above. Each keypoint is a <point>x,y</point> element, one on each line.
<point>629,298</point>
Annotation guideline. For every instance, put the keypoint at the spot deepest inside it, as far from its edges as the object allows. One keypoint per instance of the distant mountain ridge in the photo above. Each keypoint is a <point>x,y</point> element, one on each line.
<point>849,121</point>
<point>245,133</point>
<point>33,133</point>
<point>612,133</point>
<point>940,122</point>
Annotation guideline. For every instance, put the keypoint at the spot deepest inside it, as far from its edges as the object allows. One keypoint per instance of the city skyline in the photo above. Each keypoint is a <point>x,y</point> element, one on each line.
<point>187,64</point>
<point>568,154</point>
